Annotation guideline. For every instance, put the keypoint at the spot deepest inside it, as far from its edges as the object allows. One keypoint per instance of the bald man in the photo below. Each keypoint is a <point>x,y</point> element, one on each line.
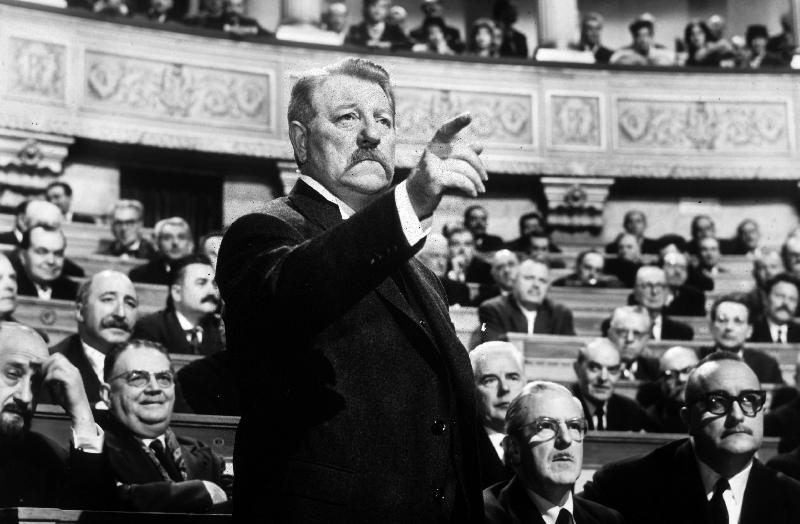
<point>35,470</point>
<point>714,475</point>
<point>674,367</point>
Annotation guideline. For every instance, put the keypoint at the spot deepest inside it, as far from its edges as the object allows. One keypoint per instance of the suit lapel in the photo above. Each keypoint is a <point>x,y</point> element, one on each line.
<point>519,322</point>
<point>760,502</point>
<point>314,206</point>
<point>174,333</point>
<point>78,358</point>
<point>129,458</point>
<point>519,504</point>
<point>543,319</point>
<point>685,487</point>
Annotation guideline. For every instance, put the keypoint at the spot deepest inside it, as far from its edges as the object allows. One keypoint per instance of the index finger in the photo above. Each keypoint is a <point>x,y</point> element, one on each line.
<point>448,131</point>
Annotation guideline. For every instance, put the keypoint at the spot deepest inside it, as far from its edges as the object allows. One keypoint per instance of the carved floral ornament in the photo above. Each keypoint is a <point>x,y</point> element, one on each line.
<point>37,68</point>
<point>575,196</point>
<point>575,120</point>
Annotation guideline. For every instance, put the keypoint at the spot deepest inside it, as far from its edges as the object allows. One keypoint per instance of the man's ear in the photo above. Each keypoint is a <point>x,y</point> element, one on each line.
<point>105,393</point>
<point>298,135</point>
<point>79,312</point>
<point>175,292</point>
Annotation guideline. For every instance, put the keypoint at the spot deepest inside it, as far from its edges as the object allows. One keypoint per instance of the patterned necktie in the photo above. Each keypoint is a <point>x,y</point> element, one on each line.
<point>599,413</point>
<point>166,462</point>
<point>194,339</point>
<point>564,517</point>
<point>719,511</point>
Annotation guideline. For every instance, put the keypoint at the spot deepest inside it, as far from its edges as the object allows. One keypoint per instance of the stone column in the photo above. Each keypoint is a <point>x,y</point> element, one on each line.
<point>302,12</point>
<point>558,22</point>
<point>575,207</point>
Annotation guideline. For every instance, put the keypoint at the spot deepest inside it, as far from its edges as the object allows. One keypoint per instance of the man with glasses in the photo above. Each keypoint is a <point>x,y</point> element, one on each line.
<point>126,226</point>
<point>674,367</point>
<point>598,369</point>
<point>714,475</point>
<point>545,428</point>
<point>155,470</point>
<point>731,327</point>
<point>629,330</point>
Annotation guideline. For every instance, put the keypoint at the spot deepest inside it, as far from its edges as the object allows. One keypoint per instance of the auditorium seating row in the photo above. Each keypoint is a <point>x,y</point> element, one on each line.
<point>63,516</point>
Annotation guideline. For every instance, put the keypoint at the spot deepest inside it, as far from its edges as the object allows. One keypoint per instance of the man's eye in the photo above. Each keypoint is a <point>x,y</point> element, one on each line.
<point>385,121</point>
<point>488,381</point>
<point>13,373</point>
<point>347,117</point>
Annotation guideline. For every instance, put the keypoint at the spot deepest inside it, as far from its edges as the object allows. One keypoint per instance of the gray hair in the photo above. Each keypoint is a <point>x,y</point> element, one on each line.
<point>172,221</point>
<point>497,347</point>
<point>517,414</point>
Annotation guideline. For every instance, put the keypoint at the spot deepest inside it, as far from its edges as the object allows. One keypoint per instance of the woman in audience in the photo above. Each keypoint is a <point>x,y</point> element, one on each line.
<point>756,54</point>
<point>702,51</point>
<point>481,38</point>
<point>435,41</point>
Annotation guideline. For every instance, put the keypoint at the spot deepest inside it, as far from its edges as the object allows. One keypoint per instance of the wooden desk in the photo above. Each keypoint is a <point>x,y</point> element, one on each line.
<point>62,516</point>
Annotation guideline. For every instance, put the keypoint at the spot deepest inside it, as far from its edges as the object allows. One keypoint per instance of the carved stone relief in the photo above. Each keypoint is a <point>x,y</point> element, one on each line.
<point>37,69</point>
<point>575,121</point>
<point>496,117</point>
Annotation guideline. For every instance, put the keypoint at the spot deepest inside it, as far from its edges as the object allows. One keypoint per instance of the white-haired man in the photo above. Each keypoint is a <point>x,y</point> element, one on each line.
<point>174,241</point>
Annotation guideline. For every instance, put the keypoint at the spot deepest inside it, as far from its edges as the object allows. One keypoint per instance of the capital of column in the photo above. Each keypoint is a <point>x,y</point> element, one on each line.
<point>575,204</point>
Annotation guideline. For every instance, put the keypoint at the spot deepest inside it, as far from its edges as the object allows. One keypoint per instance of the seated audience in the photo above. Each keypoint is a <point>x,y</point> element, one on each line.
<point>674,367</point>
<point>777,324</point>
<point>784,421</point>
<point>591,28</point>
<point>545,447</point>
<point>39,263</point>
<point>784,44</point>
<point>528,223</point>
<point>190,323</point>
<point>463,265</point>
<point>598,369</point>
<point>714,476</point>
<point>650,291</point>
<point>703,50</point>
<point>435,255</point>
<point>505,265</point>
<point>60,195</point>
<point>335,19</point>
<point>374,31</point>
<point>434,15</point>
<point>160,12</point>
<point>112,7</point>
<point>703,226</point>
<point>588,273</point>
<point>629,330</point>
<point>724,47</point>
<point>397,17</point>
<point>746,242</point>
<point>730,328</point>
<point>126,226</point>
<point>767,265</point>
<point>499,377</point>
<point>682,299</point>
<point>635,223</point>
<point>235,22</point>
<point>708,257</point>
<point>481,39</point>
<point>434,39</point>
<point>514,44</point>
<point>476,219</point>
<point>790,252</point>
<point>642,50</point>
<point>174,241</point>
<point>787,463</point>
<point>628,260</point>
<point>32,213</point>
<point>155,470</point>
<point>209,246</point>
<point>757,54</point>
<point>541,248</point>
<point>36,471</point>
<point>107,309</point>
<point>211,15</point>
<point>526,309</point>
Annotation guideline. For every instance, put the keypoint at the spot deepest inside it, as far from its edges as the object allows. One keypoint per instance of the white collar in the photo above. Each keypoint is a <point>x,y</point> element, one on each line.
<point>345,210</point>
<point>185,323</point>
<point>550,511</point>
<point>738,482</point>
<point>162,438</point>
<point>97,359</point>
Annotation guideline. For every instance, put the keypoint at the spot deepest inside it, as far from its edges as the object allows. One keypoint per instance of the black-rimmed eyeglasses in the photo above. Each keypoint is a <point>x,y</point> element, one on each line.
<point>751,401</point>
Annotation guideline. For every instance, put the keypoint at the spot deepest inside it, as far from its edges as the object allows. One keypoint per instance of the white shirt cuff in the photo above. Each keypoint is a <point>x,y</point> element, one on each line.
<point>413,229</point>
<point>89,443</point>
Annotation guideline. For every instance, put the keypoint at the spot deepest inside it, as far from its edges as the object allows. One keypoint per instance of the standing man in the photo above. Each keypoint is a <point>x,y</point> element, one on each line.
<point>361,336</point>
<point>713,477</point>
<point>546,429</point>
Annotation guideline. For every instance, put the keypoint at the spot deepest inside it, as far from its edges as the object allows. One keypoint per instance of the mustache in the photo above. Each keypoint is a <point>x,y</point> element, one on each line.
<point>737,429</point>
<point>562,455</point>
<point>18,408</point>
<point>210,298</point>
<point>116,323</point>
<point>363,154</point>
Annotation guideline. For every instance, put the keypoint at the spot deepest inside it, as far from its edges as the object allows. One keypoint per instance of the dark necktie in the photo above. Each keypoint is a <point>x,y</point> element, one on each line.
<point>194,339</point>
<point>166,462</point>
<point>719,511</point>
<point>564,517</point>
<point>599,412</point>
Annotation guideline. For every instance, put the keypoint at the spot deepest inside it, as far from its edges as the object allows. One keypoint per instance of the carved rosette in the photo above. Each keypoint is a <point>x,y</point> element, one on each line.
<point>37,69</point>
<point>575,122</point>
<point>575,205</point>
<point>498,118</point>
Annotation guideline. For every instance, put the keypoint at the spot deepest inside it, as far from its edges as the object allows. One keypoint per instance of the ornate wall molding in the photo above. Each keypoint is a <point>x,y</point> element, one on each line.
<point>575,121</point>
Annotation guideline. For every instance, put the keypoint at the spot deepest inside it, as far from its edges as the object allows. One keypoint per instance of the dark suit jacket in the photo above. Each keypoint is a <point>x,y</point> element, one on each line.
<point>209,385</point>
<point>670,329</point>
<point>489,242</point>
<point>37,472</point>
<point>688,302</point>
<point>765,366</point>
<point>154,272</point>
<point>508,502</point>
<point>163,327</point>
<point>72,348</point>
<point>515,44</point>
<point>358,35</point>
<point>346,348</point>
<point>145,250</point>
<point>622,413</point>
<point>664,487</point>
<point>787,463</point>
<point>624,270</point>
<point>493,470</point>
<point>456,292</point>
<point>63,287</point>
<point>784,422</point>
<point>502,315</point>
<point>142,488</point>
<point>761,331</point>
<point>451,35</point>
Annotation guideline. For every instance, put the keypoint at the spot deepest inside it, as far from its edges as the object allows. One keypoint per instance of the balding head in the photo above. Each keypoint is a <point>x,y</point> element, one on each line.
<point>598,369</point>
<point>504,268</point>
<point>630,329</point>
<point>676,268</point>
<point>107,309</point>
<point>434,254</point>
<point>42,213</point>
<point>674,367</point>
<point>22,352</point>
<point>650,289</point>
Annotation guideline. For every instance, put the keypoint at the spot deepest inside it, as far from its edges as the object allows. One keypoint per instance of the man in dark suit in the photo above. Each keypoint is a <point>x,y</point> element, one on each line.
<point>190,323</point>
<point>126,226</point>
<point>628,260</point>
<point>598,369</point>
<point>629,329</point>
<point>174,241</point>
<point>499,376</point>
<point>514,43</point>
<point>433,9</point>
<point>107,311</point>
<point>464,265</point>
<point>526,309</point>
<point>730,328</point>
<point>155,470</point>
<point>476,220</point>
<point>767,265</point>
<point>14,236</point>
<point>650,291</point>
<point>714,477</point>
<point>664,399</point>
<point>529,222</point>
<point>360,328</point>
<point>546,429</point>
<point>777,324</point>
<point>374,32</point>
<point>39,263</point>
<point>434,255</point>
<point>588,273</point>
<point>635,223</point>
<point>35,470</point>
<point>682,299</point>
<point>59,193</point>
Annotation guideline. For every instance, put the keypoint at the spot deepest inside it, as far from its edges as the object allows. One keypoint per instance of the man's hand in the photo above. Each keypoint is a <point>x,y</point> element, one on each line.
<point>66,386</point>
<point>448,165</point>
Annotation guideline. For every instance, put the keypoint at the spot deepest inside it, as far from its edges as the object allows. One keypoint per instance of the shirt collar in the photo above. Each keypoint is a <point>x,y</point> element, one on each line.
<point>738,482</point>
<point>184,322</point>
<point>146,441</point>
<point>345,210</point>
<point>548,510</point>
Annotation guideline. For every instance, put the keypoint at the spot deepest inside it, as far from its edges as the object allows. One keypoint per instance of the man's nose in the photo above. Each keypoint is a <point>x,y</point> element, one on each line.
<point>502,388</point>
<point>563,438</point>
<point>604,374</point>
<point>370,135</point>
<point>24,390</point>
<point>736,413</point>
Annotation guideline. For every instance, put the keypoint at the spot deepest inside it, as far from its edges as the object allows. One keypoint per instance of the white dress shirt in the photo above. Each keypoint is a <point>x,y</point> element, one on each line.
<point>778,333</point>
<point>413,229</point>
<point>734,496</point>
<point>550,511</point>
<point>186,325</point>
<point>45,293</point>
<point>658,322</point>
<point>530,316</point>
<point>97,361</point>
<point>496,439</point>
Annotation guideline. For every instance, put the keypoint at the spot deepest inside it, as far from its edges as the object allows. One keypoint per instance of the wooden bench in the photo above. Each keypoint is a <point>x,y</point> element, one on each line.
<point>95,263</point>
<point>63,516</point>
